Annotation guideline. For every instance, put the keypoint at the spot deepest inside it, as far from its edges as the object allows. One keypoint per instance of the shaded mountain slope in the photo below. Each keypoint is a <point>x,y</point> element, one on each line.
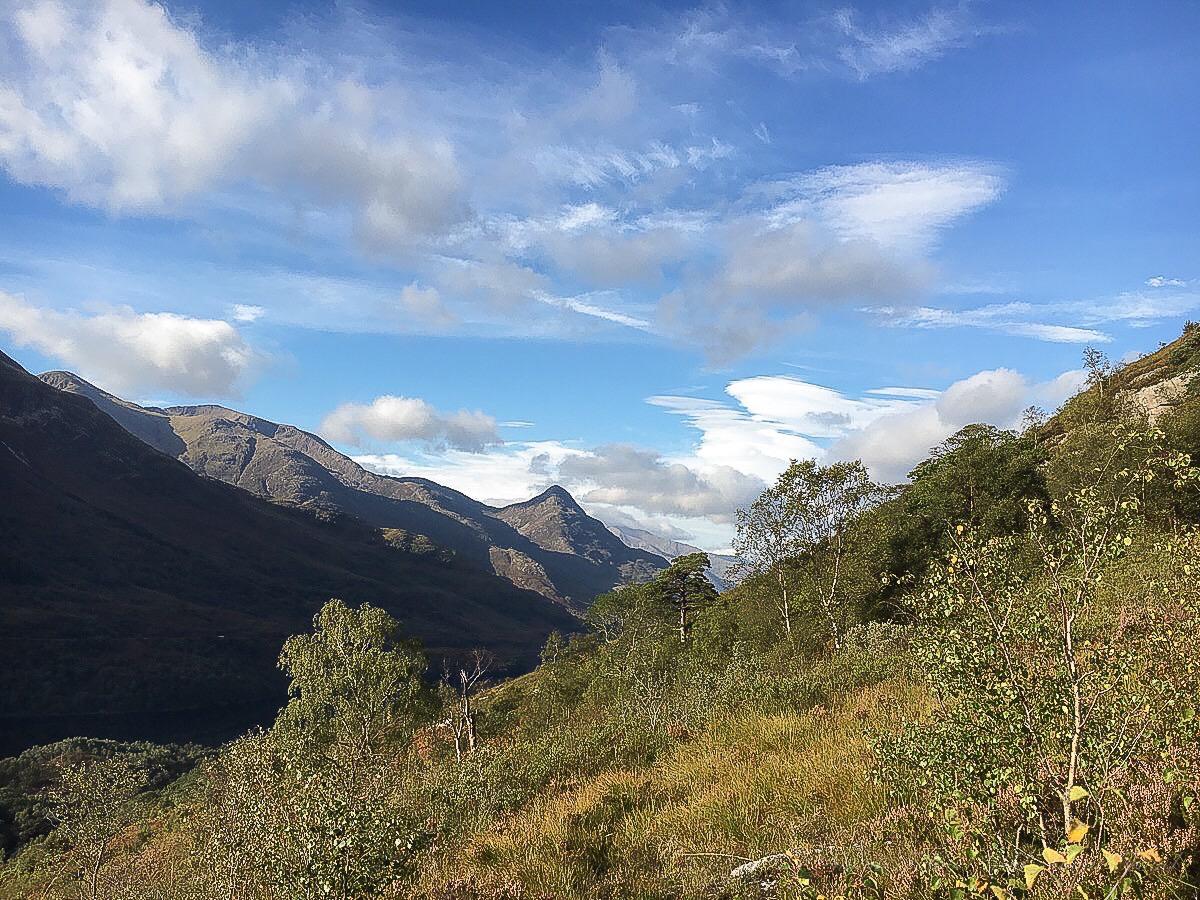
<point>550,547</point>
<point>131,587</point>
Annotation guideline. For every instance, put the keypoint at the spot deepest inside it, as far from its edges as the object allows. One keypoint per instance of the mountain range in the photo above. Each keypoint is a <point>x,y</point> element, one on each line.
<point>547,544</point>
<point>141,599</point>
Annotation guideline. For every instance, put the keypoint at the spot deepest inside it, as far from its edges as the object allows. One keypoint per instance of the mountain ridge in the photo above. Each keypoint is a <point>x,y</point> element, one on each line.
<point>141,596</point>
<point>548,544</point>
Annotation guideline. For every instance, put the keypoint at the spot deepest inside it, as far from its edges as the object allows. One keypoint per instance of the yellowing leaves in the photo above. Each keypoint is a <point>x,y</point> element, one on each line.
<point>1150,855</point>
<point>1077,793</point>
<point>1112,860</point>
<point>1053,857</point>
<point>1032,871</point>
<point>1078,832</point>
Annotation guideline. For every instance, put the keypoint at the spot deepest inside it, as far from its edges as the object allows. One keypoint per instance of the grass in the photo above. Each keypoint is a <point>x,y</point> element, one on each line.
<point>752,785</point>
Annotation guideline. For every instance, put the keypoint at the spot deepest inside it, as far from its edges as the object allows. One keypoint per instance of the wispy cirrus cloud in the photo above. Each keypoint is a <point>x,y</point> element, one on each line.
<point>1079,321</point>
<point>904,45</point>
<point>844,42</point>
<point>1003,318</point>
<point>501,184</point>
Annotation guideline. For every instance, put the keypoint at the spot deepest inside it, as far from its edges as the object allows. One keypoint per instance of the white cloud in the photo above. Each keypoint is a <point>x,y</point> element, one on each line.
<point>130,352</point>
<point>245,312</point>
<point>904,46</point>
<point>389,419</point>
<point>902,205</point>
<point>780,417</point>
<point>585,307</point>
<point>829,44</point>
<point>1157,281</point>
<point>795,264</point>
<point>891,445</point>
<point>121,107</point>
<point>777,418</point>
<point>1132,308</point>
<point>499,475</point>
<point>743,445</point>
<point>613,98</point>
<point>830,236</point>
<point>625,476</point>
<point>1005,318</point>
<point>425,306</point>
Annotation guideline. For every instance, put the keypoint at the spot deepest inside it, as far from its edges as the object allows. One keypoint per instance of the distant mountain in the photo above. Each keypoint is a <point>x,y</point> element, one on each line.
<point>140,600</point>
<point>720,566</point>
<point>548,544</point>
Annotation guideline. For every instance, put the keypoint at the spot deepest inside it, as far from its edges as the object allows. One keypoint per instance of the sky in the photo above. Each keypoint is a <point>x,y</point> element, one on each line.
<point>650,252</point>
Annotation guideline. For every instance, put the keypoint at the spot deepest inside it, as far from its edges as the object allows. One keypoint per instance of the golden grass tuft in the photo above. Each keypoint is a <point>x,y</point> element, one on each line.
<point>753,784</point>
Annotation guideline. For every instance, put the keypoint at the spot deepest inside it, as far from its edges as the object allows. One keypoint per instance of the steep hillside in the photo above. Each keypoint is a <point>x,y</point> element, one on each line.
<point>137,599</point>
<point>287,465</point>
<point>973,702</point>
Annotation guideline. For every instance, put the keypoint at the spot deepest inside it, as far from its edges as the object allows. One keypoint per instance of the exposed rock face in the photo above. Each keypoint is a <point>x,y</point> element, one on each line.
<point>138,599</point>
<point>548,544</point>
<point>1159,399</point>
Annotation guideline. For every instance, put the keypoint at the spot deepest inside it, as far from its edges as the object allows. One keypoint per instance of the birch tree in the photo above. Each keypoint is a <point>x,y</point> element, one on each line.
<point>804,524</point>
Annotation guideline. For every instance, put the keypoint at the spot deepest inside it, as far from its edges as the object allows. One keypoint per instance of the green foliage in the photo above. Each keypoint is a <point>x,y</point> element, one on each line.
<point>314,808</point>
<point>981,476</point>
<point>800,540</point>
<point>26,781</point>
<point>355,685</point>
<point>1026,727</point>
<point>1058,699</point>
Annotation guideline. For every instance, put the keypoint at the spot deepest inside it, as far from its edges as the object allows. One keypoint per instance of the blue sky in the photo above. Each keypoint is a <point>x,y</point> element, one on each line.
<point>647,251</point>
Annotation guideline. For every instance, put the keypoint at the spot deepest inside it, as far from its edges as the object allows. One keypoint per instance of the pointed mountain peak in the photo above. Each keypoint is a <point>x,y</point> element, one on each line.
<point>555,493</point>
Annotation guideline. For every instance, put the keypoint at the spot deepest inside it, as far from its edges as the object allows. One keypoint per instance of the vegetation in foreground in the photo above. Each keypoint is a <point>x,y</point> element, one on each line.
<point>982,685</point>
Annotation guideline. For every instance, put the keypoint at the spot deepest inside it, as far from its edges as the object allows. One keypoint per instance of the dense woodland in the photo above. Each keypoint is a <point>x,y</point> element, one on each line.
<point>982,683</point>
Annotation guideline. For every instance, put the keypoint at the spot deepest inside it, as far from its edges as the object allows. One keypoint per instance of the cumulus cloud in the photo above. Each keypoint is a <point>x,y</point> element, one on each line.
<point>390,419</point>
<point>131,352</point>
<point>744,443</point>
<point>1157,281</point>
<point>777,418</point>
<point>624,475</point>
<point>123,108</point>
<point>891,445</point>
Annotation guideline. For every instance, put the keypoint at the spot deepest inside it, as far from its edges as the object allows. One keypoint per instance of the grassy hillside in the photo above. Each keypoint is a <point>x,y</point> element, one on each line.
<point>990,689</point>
